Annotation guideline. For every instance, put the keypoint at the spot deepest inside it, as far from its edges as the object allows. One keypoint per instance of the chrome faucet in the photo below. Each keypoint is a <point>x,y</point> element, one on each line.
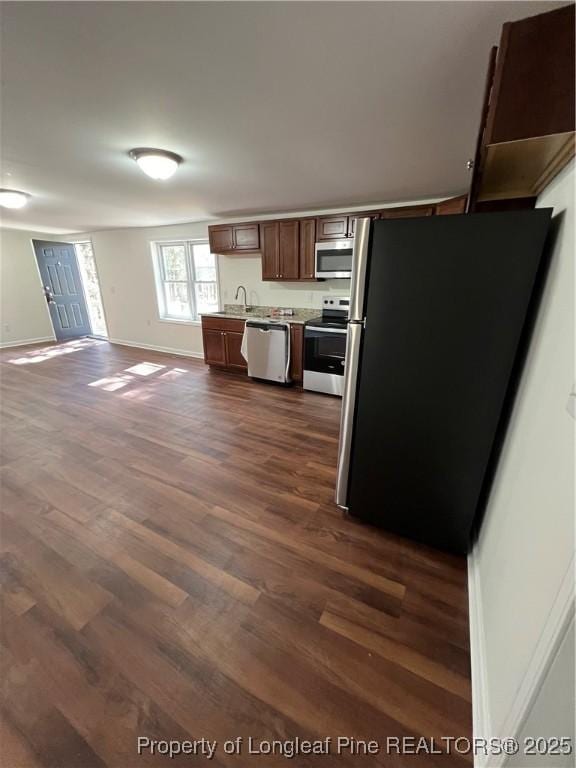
<point>241,288</point>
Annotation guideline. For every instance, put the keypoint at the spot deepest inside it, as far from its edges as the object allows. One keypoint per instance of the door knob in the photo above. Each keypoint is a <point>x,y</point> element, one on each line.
<point>48,294</point>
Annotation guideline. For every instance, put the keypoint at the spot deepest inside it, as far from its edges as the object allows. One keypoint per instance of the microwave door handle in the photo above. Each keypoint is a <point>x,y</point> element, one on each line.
<point>359,265</point>
<point>351,367</point>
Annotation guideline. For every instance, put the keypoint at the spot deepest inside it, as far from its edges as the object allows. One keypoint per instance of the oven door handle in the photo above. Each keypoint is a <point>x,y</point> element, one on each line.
<point>325,330</point>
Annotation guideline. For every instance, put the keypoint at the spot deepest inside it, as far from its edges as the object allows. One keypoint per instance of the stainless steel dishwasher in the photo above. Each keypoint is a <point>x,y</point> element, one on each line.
<point>267,345</point>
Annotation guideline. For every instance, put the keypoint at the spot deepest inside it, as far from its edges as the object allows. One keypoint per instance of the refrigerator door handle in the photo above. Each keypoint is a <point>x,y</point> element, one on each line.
<point>359,264</point>
<point>348,408</point>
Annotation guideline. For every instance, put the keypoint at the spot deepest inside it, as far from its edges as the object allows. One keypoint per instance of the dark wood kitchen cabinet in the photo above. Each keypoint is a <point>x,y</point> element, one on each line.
<point>527,127</point>
<point>270,250</point>
<point>282,256</point>
<point>289,249</point>
<point>234,238</point>
<point>214,346</point>
<point>307,249</point>
<point>407,212</point>
<point>296,352</point>
<point>341,225</point>
<point>332,227</point>
<point>234,358</point>
<point>451,206</point>
<point>222,338</point>
<point>221,239</point>
<point>362,215</point>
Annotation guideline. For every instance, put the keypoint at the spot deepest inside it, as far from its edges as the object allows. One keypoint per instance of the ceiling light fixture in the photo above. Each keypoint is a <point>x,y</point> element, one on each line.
<point>11,198</point>
<point>156,163</point>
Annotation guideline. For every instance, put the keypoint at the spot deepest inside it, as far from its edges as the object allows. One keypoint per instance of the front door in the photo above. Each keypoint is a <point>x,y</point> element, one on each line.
<point>62,287</point>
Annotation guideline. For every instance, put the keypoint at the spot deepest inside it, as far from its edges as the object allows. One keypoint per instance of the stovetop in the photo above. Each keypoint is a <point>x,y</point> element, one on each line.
<point>327,322</point>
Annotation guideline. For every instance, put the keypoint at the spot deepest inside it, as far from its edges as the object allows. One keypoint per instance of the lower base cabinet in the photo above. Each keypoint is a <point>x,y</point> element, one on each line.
<point>296,352</point>
<point>234,357</point>
<point>222,337</point>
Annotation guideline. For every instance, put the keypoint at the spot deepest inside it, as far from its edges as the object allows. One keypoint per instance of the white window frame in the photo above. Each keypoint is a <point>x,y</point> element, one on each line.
<point>161,282</point>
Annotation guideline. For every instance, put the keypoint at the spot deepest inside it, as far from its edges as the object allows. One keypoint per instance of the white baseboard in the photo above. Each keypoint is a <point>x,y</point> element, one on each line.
<point>551,637</point>
<point>481,717</point>
<point>26,342</point>
<point>154,348</point>
<point>552,634</point>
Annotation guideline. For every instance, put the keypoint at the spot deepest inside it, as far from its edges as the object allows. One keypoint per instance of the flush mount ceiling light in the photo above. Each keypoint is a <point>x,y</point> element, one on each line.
<point>156,163</point>
<point>11,198</point>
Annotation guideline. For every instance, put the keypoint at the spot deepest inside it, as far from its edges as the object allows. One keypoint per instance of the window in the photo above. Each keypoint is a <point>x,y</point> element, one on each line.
<point>87,264</point>
<point>186,280</point>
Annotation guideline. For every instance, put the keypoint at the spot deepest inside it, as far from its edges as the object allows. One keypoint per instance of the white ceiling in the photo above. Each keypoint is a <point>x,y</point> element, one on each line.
<point>275,106</point>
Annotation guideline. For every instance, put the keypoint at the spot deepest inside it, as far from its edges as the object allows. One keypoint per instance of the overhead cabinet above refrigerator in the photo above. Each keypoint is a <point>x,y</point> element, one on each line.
<point>439,312</point>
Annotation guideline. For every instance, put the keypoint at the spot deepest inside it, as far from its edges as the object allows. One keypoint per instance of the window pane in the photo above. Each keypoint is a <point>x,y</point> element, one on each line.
<point>206,297</point>
<point>204,262</point>
<point>177,300</point>
<point>174,257</point>
<point>87,265</point>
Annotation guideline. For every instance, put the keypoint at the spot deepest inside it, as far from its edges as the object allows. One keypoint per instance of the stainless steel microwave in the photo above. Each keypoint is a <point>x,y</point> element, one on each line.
<point>333,258</point>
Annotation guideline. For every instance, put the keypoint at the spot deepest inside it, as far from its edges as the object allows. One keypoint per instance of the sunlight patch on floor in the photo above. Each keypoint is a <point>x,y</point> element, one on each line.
<point>112,383</point>
<point>47,353</point>
<point>145,369</point>
<point>138,374</point>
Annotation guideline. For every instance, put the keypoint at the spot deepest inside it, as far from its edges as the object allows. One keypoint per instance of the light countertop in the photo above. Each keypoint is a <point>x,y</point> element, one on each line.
<point>237,312</point>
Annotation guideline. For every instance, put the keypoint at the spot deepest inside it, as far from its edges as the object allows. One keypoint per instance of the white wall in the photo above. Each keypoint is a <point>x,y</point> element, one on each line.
<point>124,261</point>
<point>248,272</point>
<point>552,714</point>
<point>521,574</point>
<point>24,316</point>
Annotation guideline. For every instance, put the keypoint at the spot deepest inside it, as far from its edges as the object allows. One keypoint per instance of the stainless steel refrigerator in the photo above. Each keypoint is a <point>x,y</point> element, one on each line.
<point>440,315</point>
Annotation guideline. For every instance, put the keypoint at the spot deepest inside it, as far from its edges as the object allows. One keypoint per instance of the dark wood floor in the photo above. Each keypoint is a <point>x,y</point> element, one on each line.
<point>172,566</point>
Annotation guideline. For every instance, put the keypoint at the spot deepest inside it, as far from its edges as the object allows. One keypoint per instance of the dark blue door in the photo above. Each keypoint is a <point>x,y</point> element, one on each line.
<point>63,289</point>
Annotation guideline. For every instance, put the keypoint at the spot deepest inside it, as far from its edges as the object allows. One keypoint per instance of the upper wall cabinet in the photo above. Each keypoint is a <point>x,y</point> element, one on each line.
<point>280,246</point>
<point>289,249</point>
<point>332,227</point>
<point>527,126</point>
<point>307,250</point>
<point>361,215</point>
<point>407,212</point>
<point>288,245</point>
<point>341,225</point>
<point>451,206</point>
<point>270,247</point>
<point>232,238</point>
